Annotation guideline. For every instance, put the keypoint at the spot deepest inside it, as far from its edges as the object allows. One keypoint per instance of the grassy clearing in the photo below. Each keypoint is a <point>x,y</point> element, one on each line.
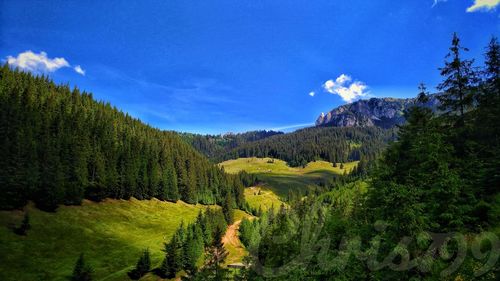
<point>112,234</point>
<point>239,215</point>
<point>280,178</point>
<point>261,197</point>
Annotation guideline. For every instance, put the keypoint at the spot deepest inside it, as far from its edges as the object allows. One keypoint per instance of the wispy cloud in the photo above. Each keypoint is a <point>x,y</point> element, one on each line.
<point>345,88</point>
<point>437,2</point>
<point>79,70</point>
<point>40,62</point>
<point>312,93</point>
<point>293,126</point>
<point>483,5</point>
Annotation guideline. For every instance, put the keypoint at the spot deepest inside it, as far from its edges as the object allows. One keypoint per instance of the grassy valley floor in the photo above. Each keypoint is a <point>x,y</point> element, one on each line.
<point>112,235</point>
<point>281,178</point>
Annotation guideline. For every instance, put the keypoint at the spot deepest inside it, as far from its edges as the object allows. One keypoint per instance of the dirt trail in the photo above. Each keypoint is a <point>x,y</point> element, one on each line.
<point>231,236</point>
<point>233,244</point>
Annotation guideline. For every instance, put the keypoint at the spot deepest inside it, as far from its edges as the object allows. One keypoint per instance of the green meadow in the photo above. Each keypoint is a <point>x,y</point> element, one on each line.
<point>112,235</point>
<point>281,178</point>
<point>261,197</point>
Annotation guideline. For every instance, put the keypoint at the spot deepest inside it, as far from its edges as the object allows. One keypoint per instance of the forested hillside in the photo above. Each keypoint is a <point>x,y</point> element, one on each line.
<point>59,145</point>
<point>327,143</point>
<point>216,147</point>
<point>431,208</point>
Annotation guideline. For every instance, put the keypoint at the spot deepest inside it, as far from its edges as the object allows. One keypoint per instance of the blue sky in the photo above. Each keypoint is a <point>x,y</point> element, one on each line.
<point>220,66</point>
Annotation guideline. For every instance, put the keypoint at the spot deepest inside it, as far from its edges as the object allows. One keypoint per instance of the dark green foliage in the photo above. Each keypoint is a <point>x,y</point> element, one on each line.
<point>82,271</point>
<point>492,63</point>
<point>228,209</point>
<point>60,146</point>
<point>213,269</point>
<point>459,80</point>
<point>188,244</point>
<point>24,227</point>
<point>427,157</point>
<point>216,146</point>
<point>297,148</point>
<point>328,143</point>
<point>440,176</point>
<point>143,266</point>
<point>173,261</point>
<point>193,247</point>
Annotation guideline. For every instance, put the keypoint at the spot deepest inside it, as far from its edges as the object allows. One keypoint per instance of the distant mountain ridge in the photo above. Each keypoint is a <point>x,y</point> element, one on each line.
<point>374,112</point>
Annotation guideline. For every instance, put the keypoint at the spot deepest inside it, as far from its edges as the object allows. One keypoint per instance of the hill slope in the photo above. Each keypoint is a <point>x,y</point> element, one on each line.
<point>60,146</point>
<point>326,143</point>
<point>282,179</point>
<point>216,146</point>
<point>112,234</point>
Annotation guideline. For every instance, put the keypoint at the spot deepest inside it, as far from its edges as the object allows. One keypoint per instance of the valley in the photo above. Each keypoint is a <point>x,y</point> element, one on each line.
<point>282,179</point>
<point>113,233</point>
<point>200,156</point>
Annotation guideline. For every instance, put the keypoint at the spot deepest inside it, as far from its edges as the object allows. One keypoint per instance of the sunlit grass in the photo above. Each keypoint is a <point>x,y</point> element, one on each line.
<point>112,234</point>
<point>261,197</point>
<point>280,178</point>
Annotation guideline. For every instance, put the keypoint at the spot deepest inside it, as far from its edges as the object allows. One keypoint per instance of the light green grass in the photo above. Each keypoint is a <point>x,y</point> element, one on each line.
<point>239,215</point>
<point>280,178</point>
<point>112,234</point>
<point>261,197</point>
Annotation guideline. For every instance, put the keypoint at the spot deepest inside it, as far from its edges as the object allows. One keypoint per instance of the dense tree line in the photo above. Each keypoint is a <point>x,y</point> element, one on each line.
<point>186,249</point>
<point>431,195</point>
<point>59,145</point>
<point>216,147</point>
<point>196,245</point>
<point>327,143</point>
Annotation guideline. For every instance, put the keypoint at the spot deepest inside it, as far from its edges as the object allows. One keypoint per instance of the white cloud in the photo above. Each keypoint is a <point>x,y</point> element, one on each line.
<point>312,94</point>
<point>34,62</point>
<point>437,2</point>
<point>345,88</point>
<point>483,5</point>
<point>79,70</point>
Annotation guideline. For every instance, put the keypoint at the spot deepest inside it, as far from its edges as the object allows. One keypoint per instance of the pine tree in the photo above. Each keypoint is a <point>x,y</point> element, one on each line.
<point>173,261</point>
<point>143,266</point>
<point>172,191</point>
<point>193,248</point>
<point>423,94</point>
<point>460,78</point>
<point>213,269</point>
<point>492,70</point>
<point>227,209</point>
<point>82,271</point>
<point>164,271</point>
<point>487,124</point>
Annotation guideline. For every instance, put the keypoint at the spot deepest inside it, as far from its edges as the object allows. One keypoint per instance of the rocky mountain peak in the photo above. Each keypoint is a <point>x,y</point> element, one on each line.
<point>381,112</point>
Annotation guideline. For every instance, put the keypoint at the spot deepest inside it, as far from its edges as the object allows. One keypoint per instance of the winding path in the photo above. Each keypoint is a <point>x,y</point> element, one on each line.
<point>233,244</point>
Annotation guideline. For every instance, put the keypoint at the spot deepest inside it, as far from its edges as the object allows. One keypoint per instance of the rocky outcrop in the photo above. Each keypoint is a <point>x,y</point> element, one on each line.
<point>381,112</point>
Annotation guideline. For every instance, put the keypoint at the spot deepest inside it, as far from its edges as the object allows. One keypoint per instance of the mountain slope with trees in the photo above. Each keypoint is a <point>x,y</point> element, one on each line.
<point>327,143</point>
<point>59,146</point>
<point>216,146</point>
